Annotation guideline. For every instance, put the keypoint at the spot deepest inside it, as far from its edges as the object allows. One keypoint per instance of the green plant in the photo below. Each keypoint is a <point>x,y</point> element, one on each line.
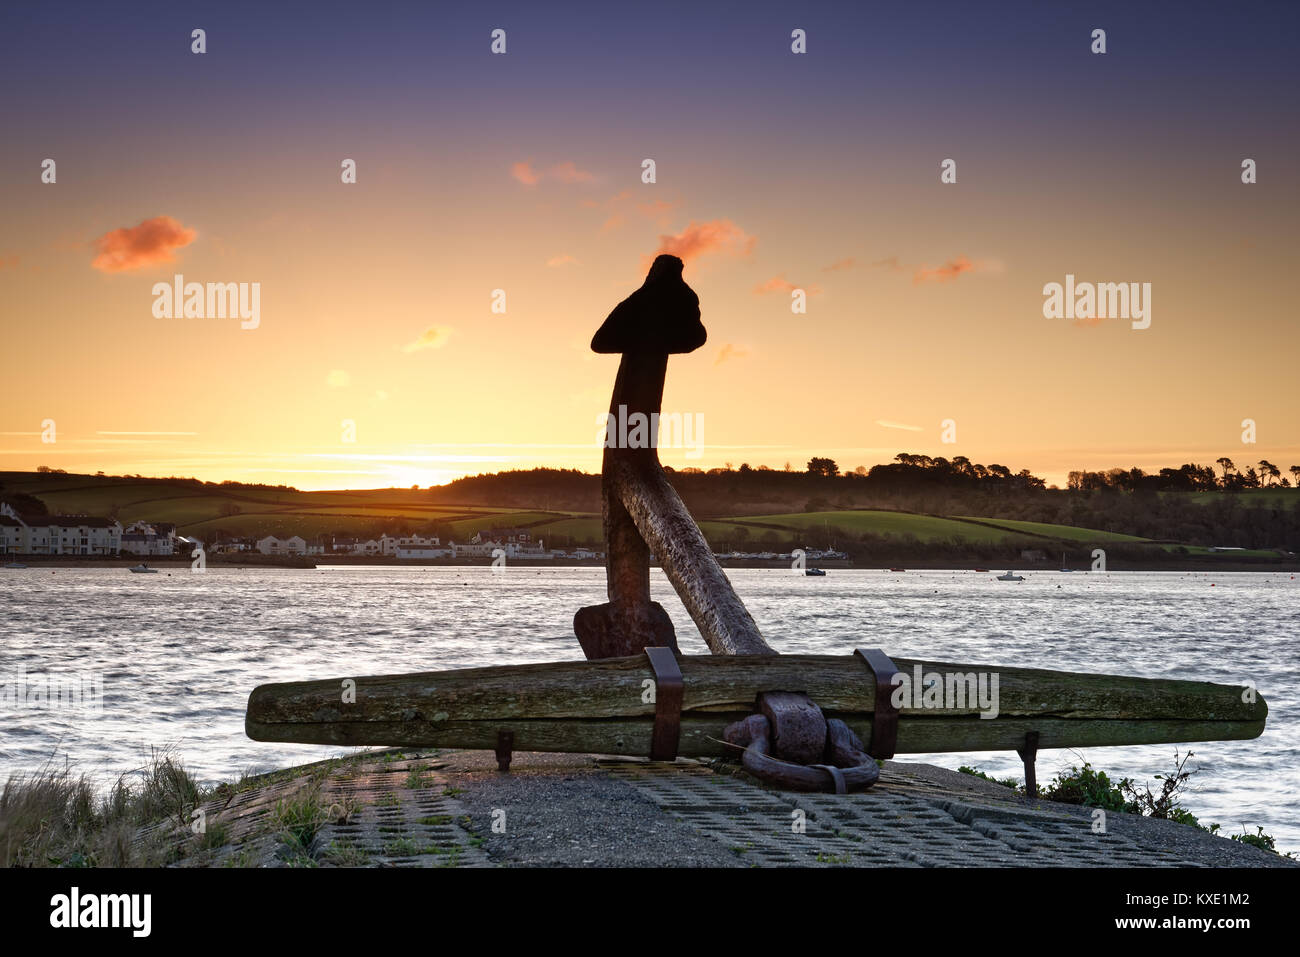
<point>344,853</point>
<point>297,819</point>
<point>1005,782</point>
<point>1259,839</point>
<point>1088,787</point>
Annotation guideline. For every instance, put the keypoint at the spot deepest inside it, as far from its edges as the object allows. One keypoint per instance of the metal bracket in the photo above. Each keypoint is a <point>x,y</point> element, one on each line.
<point>884,723</point>
<point>668,703</point>
<point>505,749</point>
<point>1029,754</point>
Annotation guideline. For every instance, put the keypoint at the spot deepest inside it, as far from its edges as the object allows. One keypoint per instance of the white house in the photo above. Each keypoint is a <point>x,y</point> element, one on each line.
<point>293,545</point>
<point>144,538</point>
<point>58,534</point>
<point>483,548</point>
<point>424,551</point>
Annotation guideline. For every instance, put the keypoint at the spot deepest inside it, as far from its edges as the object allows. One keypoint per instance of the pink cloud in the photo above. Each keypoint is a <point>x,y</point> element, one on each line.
<point>622,205</point>
<point>775,284</point>
<point>562,260</point>
<point>840,264</point>
<point>524,172</point>
<point>148,243</point>
<point>781,284</point>
<point>716,235</point>
<point>945,273</point>
<point>568,172</point>
<point>565,172</point>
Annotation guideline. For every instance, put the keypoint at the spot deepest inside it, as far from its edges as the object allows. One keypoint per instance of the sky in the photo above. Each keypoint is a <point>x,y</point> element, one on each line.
<point>377,359</point>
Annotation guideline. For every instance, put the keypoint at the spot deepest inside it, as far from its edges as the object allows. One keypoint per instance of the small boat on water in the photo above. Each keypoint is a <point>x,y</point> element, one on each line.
<point>815,572</point>
<point>1011,577</point>
<point>898,569</point>
<point>981,569</point>
<point>143,569</point>
<point>14,565</point>
<point>1063,568</point>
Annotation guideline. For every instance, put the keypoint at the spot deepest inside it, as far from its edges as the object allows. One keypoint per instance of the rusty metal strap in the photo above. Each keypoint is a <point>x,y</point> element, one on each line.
<point>884,723</point>
<point>668,703</point>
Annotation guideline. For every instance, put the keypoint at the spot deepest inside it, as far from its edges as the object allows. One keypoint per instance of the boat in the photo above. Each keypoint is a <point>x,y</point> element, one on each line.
<point>1063,568</point>
<point>898,569</point>
<point>14,565</point>
<point>143,569</point>
<point>1011,577</point>
<point>981,569</point>
<point>814,571</point>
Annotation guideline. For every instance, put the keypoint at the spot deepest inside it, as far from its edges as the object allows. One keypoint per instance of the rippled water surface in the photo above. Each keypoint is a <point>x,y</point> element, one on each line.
<point>180,652</point>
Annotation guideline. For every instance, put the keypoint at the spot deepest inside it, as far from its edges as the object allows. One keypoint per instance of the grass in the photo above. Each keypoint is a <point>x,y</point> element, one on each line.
<point>924,528</point>
<point>53,818</point>
<point>1069,533</point>
<point>344,853</point>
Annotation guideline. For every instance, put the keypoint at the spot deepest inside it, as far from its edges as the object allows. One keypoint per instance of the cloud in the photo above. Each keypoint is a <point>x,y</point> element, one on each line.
<point>568,172</point>
<point>775,284</point>
<point>435,337</point>
<point>338,379</point>
<point>729,351</point>
<point>623,205</point>
<point>885,423</point>
<point>840,264</point>
<point>891,263</point>
<point>715,235</point>
<point>945,273</point>
<point>954,268</point>
<point>565,172</point>
<point>148,243</point>
<point>524,172</point>
<point>10,262</point>
<point>781,284</point>
<point>562,260</point>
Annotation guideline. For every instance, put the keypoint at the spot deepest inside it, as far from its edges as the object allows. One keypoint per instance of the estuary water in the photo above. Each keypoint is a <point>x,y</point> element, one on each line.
<point>179,652</point>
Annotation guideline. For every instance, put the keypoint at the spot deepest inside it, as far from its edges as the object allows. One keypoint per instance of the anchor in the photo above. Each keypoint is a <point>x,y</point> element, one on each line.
<point>788,741</point>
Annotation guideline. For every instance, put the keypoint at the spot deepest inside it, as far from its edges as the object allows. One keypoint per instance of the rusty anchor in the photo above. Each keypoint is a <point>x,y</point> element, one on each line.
<point>789,741</point>
<point>641,511</point>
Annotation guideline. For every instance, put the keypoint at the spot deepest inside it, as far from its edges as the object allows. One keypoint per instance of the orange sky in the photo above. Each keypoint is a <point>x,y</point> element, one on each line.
<point>925,300</point>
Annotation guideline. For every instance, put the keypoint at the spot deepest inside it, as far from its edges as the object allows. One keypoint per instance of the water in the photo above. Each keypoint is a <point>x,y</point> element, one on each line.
<point>179,652</point>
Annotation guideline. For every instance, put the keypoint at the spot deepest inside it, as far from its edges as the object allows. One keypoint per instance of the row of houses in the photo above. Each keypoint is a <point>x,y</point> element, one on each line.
<point>513,543</point>
<point>85,535</point>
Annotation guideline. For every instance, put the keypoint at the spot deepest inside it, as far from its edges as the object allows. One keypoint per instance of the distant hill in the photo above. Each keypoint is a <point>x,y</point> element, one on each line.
<point>746,511</point>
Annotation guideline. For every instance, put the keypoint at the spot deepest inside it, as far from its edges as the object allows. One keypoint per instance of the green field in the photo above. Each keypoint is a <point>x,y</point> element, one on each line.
<point>1069,533</point>
<point>252,512</point>
<point>924,528</point>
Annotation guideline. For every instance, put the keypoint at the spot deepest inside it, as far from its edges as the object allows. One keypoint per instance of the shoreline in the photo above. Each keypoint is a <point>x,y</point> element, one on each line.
<point>437,808</point>
<point>1206,565</point>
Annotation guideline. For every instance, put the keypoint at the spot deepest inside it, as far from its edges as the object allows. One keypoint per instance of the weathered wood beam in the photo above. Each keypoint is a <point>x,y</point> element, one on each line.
<point>597,706</point>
